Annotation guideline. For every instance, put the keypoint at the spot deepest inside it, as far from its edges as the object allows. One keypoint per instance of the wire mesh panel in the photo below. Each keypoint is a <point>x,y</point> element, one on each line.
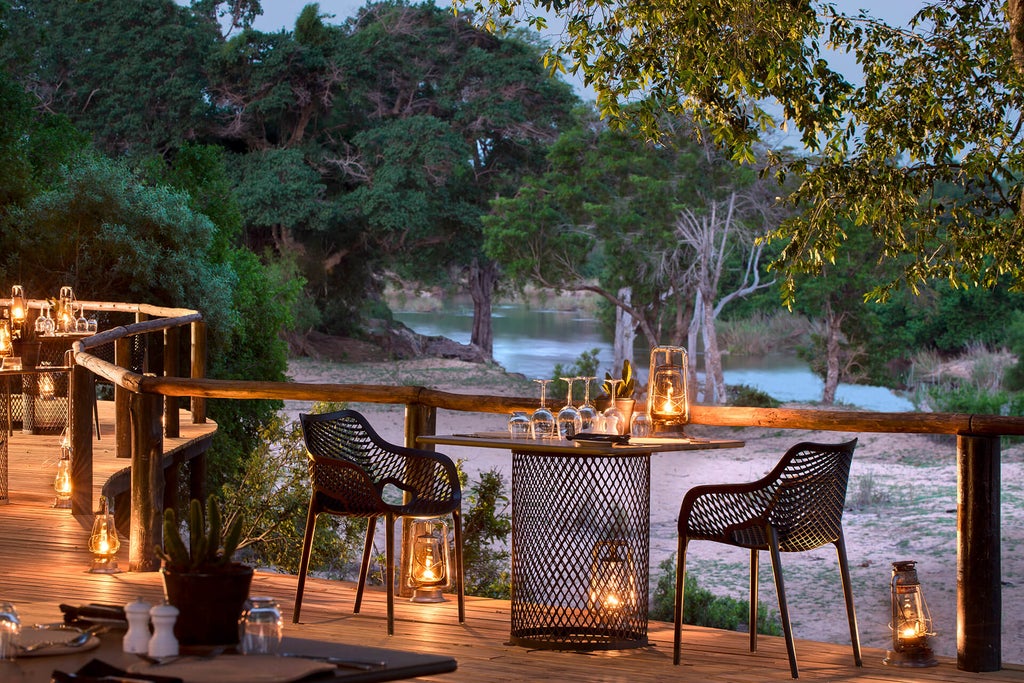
<point>580,537</point>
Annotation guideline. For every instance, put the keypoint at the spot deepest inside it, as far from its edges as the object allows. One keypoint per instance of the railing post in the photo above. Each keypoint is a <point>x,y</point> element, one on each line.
<point>979,598</point>
<point>147,483</point>
<point>198,369</point>
<point>80,435</point>
<point>171,349</point>
<point>420,420</point>
<point>122,401</point>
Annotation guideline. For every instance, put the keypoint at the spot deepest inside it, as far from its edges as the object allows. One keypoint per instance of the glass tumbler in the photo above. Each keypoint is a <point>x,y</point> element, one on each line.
<point>260,628</point>
<point>10,627</point>
<point>519,425</point>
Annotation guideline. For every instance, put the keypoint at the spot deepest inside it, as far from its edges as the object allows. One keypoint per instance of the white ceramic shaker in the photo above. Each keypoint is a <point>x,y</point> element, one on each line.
<point>136,638</point>
<point>163,643</point>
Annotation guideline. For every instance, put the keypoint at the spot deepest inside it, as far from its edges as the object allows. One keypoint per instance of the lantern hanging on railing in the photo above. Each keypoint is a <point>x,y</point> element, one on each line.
<point>62,482</point>
<point>103,541</point>
<point>613,595</point>
<point>19,310</point>
<point>667,396</point>
<point>429,565</point>
<point>911,621</point>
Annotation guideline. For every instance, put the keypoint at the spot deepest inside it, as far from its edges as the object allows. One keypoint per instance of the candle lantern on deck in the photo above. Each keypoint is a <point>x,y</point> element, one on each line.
<point>911,621</point>
<point>103,541</point>
<point>428,566</point>
<point>62,482</point>
<point>667,404</point>
<point>18,308</point>
<point>613,594</point>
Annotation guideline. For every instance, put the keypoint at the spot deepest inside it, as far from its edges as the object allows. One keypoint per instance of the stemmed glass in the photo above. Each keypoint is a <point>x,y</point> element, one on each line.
<point>570,423</point>
<point>613,416</point>
<point>542,422</point>
<point>588,413</point>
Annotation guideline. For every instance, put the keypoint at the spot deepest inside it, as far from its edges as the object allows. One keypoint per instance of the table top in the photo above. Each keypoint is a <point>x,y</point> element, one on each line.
<point>338,661</point>
<point>636,445</point>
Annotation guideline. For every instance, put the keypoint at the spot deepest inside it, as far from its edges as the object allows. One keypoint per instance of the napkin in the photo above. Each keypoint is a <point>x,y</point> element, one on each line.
<point>236,669</point>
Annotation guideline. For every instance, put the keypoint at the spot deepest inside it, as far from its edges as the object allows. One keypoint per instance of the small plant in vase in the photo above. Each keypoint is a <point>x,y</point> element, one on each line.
<point>620,395</point>
<point>201,577</point>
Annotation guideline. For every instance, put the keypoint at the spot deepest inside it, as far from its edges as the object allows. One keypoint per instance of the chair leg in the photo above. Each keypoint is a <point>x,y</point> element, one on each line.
<point>459,576</point>
<point>389,572</point>
<point>851,614</point>
<point>307,547</point>
<point>678,611</point>
<point>780,588</point>
<point>752,623</point>
<point>364,565</point>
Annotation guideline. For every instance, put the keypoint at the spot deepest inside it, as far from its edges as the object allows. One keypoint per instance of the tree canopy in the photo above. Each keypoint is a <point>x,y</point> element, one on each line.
<point>938,109</point>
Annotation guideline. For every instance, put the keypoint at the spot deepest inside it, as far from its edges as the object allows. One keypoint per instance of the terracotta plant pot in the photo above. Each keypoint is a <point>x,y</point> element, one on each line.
<point>209,604</point>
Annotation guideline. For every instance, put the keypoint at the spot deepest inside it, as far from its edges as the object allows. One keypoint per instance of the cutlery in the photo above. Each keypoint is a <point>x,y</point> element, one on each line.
<point>341,662</point>
<point>79,640</point>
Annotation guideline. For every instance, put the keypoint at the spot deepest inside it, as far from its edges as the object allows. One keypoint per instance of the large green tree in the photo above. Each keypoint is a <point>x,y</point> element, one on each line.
<point>939,103</point>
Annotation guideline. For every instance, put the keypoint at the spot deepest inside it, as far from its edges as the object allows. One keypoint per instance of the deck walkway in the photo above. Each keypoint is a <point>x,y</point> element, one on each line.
<point>43,562</point>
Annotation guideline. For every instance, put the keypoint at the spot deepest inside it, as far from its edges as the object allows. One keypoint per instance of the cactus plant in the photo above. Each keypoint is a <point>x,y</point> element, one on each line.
<point>207,550</point>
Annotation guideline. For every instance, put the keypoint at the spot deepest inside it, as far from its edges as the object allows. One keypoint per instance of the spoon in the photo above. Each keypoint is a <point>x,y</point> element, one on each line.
<point>79,640</point>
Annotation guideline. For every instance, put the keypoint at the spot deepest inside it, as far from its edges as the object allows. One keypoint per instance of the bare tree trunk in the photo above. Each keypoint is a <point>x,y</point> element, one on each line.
<point>625,330</point>
<point>691,342</point>
<point>715,378</point>
<point>833,331</point>
<point>481,288</point>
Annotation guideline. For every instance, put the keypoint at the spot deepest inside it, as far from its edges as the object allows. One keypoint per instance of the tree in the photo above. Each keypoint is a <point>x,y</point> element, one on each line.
<point>940,104</point>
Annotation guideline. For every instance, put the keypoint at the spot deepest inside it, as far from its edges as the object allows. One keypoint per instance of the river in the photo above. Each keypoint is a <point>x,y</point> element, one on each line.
<point>532,341</point>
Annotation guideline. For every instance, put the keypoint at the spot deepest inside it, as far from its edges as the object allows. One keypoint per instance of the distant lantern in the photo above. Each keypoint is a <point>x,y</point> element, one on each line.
<point>103,541</point>
<point>911,621</point>
<point>66,310</point>
<point>613,597</point>
<point>429,564</point>
<point>62,482</point>
<point>18,308</point>
<point>667,403</point>
<point>6,343</point>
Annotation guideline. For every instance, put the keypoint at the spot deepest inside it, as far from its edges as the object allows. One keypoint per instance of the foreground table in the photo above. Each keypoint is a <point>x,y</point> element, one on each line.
<point>580,537</point>
<point>326,661</point>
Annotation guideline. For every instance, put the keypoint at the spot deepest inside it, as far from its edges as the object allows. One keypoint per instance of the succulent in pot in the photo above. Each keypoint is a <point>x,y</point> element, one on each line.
<point>623,389</point>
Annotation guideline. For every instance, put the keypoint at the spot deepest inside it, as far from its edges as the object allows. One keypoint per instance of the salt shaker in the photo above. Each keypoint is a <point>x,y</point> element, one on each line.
<point>136,638</point>
<point>163,643</point>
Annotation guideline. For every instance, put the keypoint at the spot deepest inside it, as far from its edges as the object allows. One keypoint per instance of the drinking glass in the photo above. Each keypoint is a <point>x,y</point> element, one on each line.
<point>542,422</point>
<point>588,413</point>
<point>615,418</point>
<point>261,627</point>
<point>10,627</point>
<point>570,423</point>
<point>641,426</point>
<point>519,425</point>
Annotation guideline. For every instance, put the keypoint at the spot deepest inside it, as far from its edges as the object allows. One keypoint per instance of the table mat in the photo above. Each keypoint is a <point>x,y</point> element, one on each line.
<point>236,669</point>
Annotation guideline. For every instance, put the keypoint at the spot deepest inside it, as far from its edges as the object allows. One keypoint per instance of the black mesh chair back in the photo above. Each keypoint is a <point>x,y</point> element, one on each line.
<point>355,473</point>
<point>796,507</point>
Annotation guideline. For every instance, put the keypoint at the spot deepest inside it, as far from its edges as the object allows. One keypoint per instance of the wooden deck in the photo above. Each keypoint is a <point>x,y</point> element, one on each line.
<point>43,562</point>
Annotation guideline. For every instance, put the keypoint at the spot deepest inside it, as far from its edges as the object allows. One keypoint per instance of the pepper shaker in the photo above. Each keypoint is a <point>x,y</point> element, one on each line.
<point>163,643</point>
<point>136,638</point>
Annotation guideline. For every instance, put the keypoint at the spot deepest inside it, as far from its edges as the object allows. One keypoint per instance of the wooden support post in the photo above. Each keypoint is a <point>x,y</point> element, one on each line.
<point>420,420</point>
<point>198,369</point>
<point>172,428</point>
<point>979,600</point>
<point>122,401</point>
<point>147,483</point>
<point>80,433</point>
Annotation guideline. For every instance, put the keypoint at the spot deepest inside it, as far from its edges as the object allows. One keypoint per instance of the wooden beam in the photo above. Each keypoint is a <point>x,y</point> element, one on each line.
<point>122,401</point>
<point>198,369</point>
<point>80,435</point>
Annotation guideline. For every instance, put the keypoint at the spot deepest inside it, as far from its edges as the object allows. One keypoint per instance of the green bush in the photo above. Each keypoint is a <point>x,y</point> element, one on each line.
<point>703,608</point>
<point>751,397</point>
<point>486,528</point>
<point>584,366</point>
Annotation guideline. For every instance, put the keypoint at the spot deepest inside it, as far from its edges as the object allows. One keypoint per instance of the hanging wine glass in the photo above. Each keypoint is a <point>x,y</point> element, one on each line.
<point>542,422</point>
<point>615,418</point>
<point>570,423</point>
<point>81,323</point>
<point>588,413</point>
<point>44,323</point>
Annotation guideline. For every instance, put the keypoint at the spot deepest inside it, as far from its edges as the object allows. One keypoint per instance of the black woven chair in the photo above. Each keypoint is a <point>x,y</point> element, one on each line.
<point>798,506</point>
<point>351,469</point>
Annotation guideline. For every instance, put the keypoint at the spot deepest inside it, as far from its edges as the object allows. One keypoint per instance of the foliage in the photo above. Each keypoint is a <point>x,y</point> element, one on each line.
<point>584,366</point>
<point>924,155</point>
<point>211,547</point>
<point>486,528</point>
<point>751,397</point>
<point>703,608</point>
<point>623,389</point>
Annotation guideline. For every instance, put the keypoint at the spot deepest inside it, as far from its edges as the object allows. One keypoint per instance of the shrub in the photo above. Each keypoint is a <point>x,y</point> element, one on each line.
<point>486,528</point>
<point>751,397</point>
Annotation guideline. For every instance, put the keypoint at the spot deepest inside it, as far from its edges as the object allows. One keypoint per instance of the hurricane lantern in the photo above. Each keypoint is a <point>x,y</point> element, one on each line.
<point>19,311</point>
<point>6,343</point>
<point>428,566</point>
<point>613,594</point>
<point>103,541</point>
<point>66,310</point>
<point>667,404</point>
<point>47,385</point>
<point>911,621</point>
<point>62,482</point>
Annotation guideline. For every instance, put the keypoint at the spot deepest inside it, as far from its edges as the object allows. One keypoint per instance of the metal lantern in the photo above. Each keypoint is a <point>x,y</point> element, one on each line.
<point>429,563</point>
<point>66,310</point>
<point>911,621</point>
<point>6,343</point>
<point>667,404</point>
<point>62,482</point>
<point>103,541</point>
<point>18,309</point>
<point>613,594</point>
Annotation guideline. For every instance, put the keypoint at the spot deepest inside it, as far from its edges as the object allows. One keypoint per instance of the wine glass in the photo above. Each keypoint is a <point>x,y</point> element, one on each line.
<point>587,411</point>
<point>570,423</point>
<point>615,418</point>
<point>542,422</point>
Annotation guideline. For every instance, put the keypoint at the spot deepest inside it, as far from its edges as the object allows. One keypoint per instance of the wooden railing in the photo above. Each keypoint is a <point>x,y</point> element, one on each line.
<point>978,452</point>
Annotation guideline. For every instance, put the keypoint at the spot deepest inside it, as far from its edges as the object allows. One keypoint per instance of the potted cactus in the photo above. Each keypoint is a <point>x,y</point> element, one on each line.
<point>202,578</point>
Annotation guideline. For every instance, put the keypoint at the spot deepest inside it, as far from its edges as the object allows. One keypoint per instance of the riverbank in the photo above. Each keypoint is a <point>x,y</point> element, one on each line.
<point>901,505</point>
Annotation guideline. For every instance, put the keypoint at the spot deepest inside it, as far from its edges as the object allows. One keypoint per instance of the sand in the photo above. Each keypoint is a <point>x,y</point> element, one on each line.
<point>901,505</point>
